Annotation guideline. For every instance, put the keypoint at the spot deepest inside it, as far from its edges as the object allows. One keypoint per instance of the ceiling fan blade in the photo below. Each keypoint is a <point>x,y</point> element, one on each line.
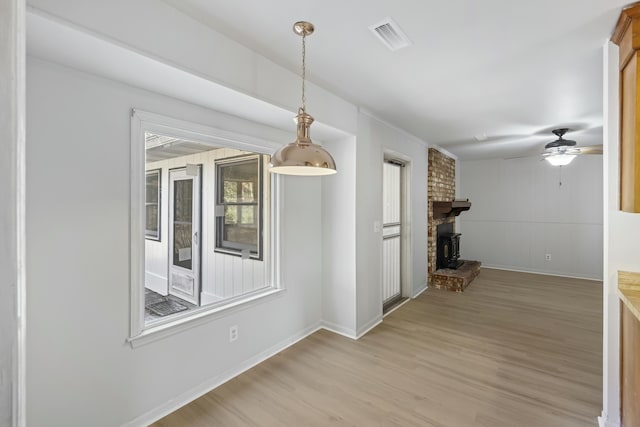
<point>560,143</point>
<point>520,157</point>
<point>593,149</point>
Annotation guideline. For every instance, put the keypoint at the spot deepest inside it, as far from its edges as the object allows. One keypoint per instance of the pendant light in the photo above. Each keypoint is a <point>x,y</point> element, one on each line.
<point>302,157</point>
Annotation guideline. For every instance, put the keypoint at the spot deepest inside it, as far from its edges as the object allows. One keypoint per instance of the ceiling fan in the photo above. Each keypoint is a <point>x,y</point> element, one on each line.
<point>562,151</point>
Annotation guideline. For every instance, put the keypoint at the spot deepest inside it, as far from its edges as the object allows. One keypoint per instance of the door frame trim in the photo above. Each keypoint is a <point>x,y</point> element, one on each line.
<point>406,253</point>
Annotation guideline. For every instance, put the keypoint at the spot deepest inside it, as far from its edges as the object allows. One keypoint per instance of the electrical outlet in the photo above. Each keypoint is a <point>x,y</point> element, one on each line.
<point>233,333</point>
<point>547,257</point>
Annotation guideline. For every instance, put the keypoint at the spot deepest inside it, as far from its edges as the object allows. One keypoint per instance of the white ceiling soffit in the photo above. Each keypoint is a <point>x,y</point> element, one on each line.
<point>58,41</point>
<point>491,67</point>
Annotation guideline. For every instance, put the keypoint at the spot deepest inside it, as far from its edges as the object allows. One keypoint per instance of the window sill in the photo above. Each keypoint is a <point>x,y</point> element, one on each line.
<point>238,253</point>
<point>199,317</point>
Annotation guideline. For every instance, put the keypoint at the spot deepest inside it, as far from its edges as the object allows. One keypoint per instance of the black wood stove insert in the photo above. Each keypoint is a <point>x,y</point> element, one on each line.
<point>448,247</point>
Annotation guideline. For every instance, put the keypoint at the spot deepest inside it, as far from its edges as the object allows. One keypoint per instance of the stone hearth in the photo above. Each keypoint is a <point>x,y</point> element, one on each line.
<point>456,280</point>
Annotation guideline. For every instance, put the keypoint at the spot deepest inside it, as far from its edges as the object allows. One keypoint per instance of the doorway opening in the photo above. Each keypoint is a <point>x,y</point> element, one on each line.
<point>394,234</point>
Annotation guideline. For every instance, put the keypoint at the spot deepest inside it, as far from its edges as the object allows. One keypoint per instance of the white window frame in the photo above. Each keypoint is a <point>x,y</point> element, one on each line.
<point>143,122</point>
<point>221,245</point>
<point>150,235</point>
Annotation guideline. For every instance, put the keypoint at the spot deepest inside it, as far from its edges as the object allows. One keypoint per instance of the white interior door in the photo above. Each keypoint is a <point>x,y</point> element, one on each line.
<point>391,232</point>
<point>184,233</point>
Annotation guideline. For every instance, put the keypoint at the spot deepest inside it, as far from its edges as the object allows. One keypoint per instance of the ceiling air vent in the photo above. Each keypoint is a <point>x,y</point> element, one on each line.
<point>390,33</point>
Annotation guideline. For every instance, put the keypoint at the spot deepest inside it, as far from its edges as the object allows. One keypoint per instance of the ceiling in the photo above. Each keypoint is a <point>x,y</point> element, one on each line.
<point>161,147</point>
<point>506,71</point>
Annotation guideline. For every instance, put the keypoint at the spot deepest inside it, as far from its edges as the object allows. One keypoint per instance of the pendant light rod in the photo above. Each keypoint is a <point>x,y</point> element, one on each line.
<point>302,157</point>
<point>303,28</point>
<point>304,69</point>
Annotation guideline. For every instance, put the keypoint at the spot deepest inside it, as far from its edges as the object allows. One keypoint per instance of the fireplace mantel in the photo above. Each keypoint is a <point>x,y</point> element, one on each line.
<point>444,209</point>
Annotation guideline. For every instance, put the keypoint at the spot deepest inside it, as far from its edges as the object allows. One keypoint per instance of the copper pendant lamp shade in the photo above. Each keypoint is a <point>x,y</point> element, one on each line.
<point>302,156</point>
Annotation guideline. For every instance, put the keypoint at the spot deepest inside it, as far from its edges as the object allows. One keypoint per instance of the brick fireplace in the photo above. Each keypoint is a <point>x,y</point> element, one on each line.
<point>454,275</point>
<point>441,187</point>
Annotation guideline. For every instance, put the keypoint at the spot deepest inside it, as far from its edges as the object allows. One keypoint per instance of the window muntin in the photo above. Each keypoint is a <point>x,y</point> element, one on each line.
<point>239,204</point>
<point>152,204</point>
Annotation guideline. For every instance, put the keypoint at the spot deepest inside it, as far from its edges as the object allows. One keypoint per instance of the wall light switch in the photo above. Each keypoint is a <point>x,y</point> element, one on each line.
<point>376,226</point>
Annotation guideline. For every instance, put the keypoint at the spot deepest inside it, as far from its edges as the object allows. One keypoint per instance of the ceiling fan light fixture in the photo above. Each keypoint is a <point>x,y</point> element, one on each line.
<point>302,157</point>
<point>560,159</point>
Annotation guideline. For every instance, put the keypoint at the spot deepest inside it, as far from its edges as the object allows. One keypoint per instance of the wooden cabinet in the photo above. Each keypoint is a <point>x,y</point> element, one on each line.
<point>629,367</point>
<point>629,291</point>
<point>627,37</point>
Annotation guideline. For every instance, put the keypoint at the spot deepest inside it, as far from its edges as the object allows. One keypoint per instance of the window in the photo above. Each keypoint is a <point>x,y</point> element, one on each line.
<point>238,208</point>
<point>202,224</point>
<point>152,205</point>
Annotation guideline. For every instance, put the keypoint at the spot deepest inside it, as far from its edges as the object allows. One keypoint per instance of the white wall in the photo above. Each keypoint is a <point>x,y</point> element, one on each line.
<point>11,208</point>
<point>519,213</point>
<point>374,139</point>
<point>77,263</point>
<point>339,240</point>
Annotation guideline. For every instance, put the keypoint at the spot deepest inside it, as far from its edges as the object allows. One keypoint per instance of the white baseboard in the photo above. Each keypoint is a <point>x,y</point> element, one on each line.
<point>545,273</point>
<point>205,387</point>
<point>156,282</point>
<point>340,330</point>
<point>190,395</point>
<point>369,326</point>
<point>417,294</point>
<point>350,333</point>
<point>603,421</point>
<point>207,298</point>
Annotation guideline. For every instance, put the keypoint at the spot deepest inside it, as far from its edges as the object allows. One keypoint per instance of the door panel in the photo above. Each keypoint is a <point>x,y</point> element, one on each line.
<point>391,232</point>
<point>184,232</point>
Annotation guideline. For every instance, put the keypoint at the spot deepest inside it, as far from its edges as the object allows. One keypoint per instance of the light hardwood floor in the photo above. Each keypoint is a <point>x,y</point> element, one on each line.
<point>514,349</point>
